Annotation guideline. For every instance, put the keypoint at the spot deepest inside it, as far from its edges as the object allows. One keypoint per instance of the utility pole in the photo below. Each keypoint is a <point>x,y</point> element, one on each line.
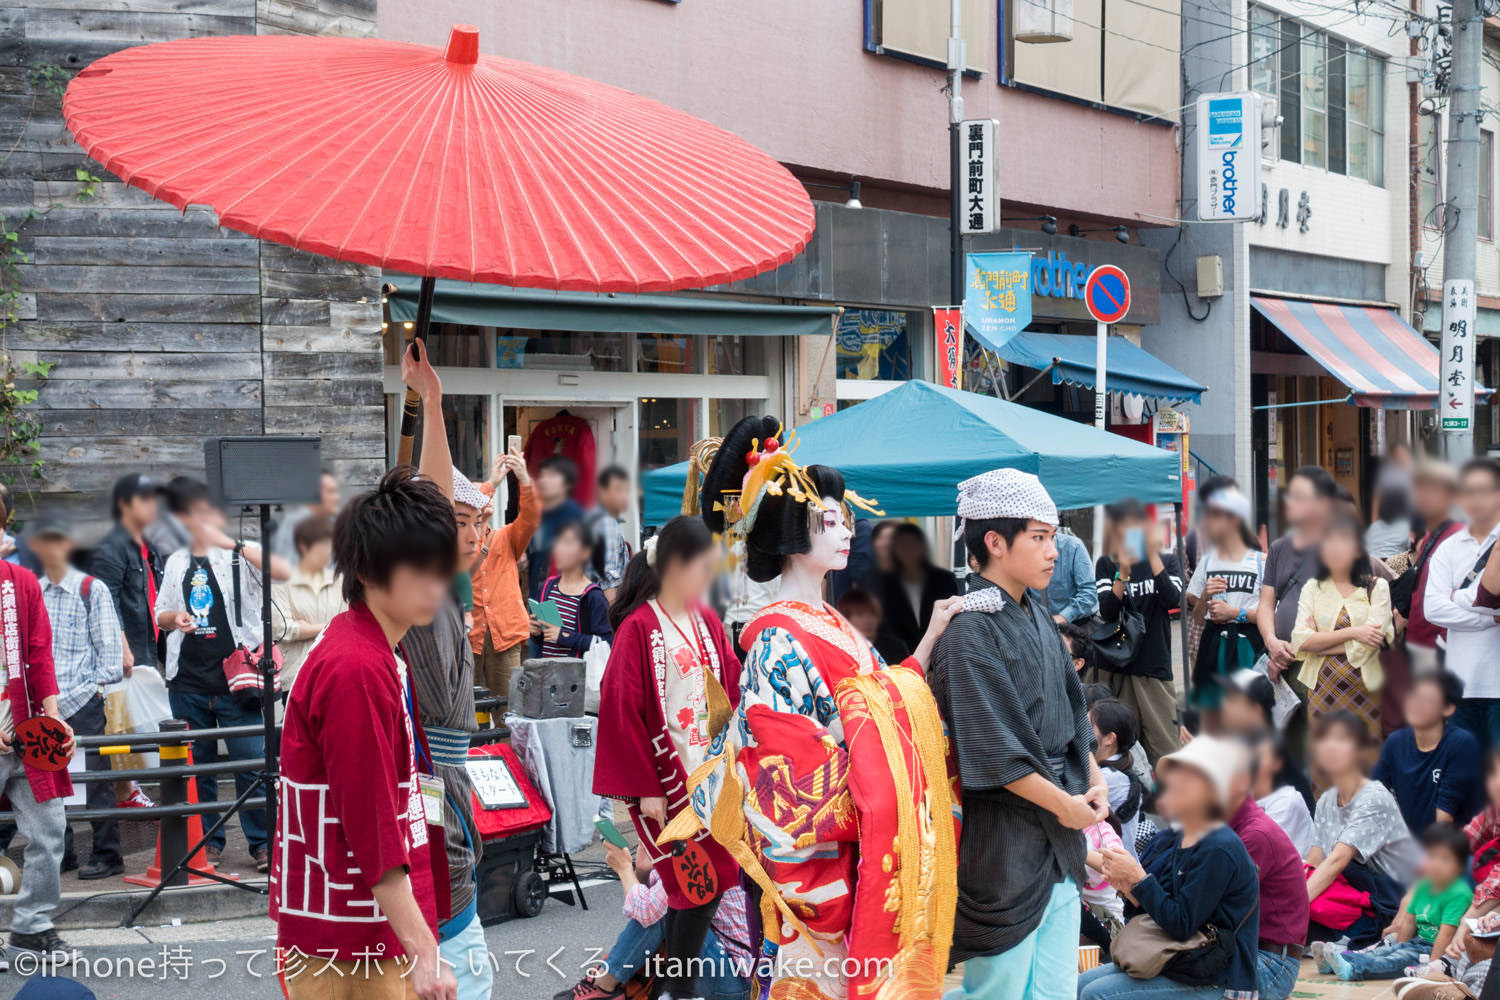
<point>1461,234</point>
<point>955,148</point>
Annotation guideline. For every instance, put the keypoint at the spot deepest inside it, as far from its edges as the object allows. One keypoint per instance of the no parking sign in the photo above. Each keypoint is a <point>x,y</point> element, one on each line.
<point>1107,294</point>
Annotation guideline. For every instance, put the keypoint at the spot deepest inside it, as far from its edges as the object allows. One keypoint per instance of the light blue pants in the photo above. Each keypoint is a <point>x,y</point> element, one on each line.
<point>469,957</point>
<point>1044,966</point>
<point>1109,983</point>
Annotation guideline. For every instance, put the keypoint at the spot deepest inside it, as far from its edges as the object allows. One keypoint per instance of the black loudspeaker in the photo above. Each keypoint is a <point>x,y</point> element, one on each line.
<point>248,471</point>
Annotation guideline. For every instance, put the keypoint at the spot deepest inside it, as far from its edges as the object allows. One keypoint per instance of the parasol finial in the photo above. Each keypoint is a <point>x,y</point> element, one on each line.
<point>463,45</point>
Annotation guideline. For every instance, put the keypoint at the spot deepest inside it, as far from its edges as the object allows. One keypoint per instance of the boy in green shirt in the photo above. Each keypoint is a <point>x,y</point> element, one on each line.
<point>1429,914</point>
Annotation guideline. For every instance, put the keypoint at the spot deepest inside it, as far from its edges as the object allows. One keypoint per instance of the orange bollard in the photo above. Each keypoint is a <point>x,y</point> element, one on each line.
<point>179,832</point>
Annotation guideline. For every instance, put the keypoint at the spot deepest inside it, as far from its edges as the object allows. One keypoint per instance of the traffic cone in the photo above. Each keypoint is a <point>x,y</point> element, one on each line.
<point>182,790</point>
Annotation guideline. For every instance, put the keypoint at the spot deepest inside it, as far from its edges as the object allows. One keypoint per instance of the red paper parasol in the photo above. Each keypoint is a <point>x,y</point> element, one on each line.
<point>441,163</point>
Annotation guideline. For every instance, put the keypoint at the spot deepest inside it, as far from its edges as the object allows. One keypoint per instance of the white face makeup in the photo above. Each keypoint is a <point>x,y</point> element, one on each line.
<point>830,538</point>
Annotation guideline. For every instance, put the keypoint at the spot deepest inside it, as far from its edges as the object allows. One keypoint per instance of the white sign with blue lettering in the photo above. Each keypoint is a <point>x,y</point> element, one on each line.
<point>1228,146</point>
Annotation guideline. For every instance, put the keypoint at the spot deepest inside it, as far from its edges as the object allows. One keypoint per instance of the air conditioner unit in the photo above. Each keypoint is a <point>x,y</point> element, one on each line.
<point>1042,21</point>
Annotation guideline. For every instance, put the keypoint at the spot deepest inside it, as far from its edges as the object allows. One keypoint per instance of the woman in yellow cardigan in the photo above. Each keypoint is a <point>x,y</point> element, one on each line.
<point>1344,619</point>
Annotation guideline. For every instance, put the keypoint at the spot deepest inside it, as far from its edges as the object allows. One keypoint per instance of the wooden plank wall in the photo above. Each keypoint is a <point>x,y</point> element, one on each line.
<point>164,328</point>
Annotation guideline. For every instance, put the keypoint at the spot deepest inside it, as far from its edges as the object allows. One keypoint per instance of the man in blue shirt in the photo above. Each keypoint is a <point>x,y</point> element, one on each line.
<point>1072,596</point>
<point>1431,767</point>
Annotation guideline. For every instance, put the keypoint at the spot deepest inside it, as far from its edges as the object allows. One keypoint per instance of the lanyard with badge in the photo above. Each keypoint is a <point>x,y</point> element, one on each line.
<point>427,778</point>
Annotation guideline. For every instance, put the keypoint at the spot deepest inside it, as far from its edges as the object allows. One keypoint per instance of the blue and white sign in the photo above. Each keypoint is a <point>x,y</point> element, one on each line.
<point>997,300</point>
<point>1228,147</point>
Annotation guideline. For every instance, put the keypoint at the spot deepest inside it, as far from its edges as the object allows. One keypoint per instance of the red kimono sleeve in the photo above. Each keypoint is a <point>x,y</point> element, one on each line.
<point>624,766</point>
<point>41,674</point>
<point>362,740</point>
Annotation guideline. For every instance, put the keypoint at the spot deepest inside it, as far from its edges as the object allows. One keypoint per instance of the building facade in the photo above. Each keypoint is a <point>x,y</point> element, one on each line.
<point>160,328</point>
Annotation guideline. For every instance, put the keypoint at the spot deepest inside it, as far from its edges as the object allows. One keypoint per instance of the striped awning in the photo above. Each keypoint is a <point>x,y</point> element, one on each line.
<point>1371,350</point>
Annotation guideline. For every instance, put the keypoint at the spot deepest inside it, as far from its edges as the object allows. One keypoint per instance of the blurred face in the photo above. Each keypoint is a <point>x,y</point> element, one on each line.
<point>329,494</point>
<point>1492,785</point>
<point>317,555</point>
<point>1479,497</point>
<point>616,496</point>
<point>880,544</point>
<point>1186,794</point>
<point>1221,527</point>
<point>1425,706</point>
<point>829,536</point>
<point>690,579</point>
<point>1432,500</point>
<point>568,551</point>
<point>909,551</point>
<point>1303,505</point>
<point>551,486</point>
<point>1238,714</point>
<point>1339,551</point>
<point>1337,754</point>
<point>468,520</point>
<point>411,597</point>
<point>1029,558</point>
<point>52,550</point>
<point>201,517</point>
<point>1441,866</point>
<point>139,510</point>
<point>865,620</point>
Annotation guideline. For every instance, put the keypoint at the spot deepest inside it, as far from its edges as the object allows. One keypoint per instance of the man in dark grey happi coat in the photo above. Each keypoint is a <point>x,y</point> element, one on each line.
<point>1015,715</point>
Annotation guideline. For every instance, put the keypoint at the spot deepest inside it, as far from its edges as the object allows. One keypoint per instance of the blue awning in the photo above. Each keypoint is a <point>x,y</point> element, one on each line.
<point>1128,368</point>
<point>910,448</point>
<point>466,304</point>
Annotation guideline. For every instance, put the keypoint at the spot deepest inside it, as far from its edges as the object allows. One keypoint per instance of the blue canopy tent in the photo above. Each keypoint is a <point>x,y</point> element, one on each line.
<point>911,447</point>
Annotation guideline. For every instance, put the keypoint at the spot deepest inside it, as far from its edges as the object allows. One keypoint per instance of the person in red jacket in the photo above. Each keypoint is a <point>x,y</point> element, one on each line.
<point>359,871</point>
<point>35,795</point>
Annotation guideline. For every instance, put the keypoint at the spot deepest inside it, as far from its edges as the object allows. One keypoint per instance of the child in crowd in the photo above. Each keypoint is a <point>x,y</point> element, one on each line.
<point>1429,917</point>
<point>1103,909</point>
<point>1081,647</point>
<point>1114,730</point>
<point>1430,766</point>
<point>1359,839</point>
<point>581,603</point>
<point>1139,766</point>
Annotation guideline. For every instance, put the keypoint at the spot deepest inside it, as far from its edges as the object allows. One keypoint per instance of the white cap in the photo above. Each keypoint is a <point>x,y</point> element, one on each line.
<point>1217,760</point>
<point>1231,501</point>
<point>1005,493</point>
<point>467,493</point>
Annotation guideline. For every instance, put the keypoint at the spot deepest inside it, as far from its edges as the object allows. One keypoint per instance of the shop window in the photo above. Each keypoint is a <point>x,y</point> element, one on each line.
<point>666,354</point>
<point>559,351</point>
<point>725,413</point>
<point>668,429</point>
<point>467,419</point>
<point>918,29</point>
<point>737,355</point>
<point>1330,93</point>
<point>1486,185</point>
<point>874,344</point>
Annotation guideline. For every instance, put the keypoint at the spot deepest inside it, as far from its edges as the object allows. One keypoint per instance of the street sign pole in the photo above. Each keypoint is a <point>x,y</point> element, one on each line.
<point>1101,346</point>
<point>1106,293</point>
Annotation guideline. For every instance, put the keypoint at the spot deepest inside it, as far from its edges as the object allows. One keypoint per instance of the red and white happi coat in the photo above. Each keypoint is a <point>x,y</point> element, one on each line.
<point>26,632</point>
<point>636,758</point>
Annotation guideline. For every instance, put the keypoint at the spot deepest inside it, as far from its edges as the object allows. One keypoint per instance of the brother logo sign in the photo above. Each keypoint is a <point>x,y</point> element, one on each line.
<point>1228,127</point>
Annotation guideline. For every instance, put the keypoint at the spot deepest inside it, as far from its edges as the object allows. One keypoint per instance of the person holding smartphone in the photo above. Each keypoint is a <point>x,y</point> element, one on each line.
<point>1137,574</point>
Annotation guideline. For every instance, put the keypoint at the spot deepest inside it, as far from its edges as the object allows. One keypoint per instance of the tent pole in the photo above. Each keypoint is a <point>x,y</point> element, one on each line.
<point>1182,615</point>
<point>412,404</point>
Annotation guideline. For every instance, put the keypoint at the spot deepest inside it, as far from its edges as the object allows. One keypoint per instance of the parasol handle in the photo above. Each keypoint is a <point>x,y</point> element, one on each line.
<point>413,404</point>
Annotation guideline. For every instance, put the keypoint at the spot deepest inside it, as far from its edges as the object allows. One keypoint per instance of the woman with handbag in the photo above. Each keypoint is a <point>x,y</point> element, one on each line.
<point>1193,900</point>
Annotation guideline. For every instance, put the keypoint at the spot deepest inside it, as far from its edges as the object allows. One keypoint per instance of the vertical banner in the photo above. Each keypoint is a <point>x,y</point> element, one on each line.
<point>981,197</point>
<point>948,323</point>
<point>1228,148</point>
<point>1456,391</point>
<point>998,301</point>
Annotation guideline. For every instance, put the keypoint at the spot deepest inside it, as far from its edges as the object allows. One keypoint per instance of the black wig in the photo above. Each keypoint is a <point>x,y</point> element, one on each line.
<point>782,525</point>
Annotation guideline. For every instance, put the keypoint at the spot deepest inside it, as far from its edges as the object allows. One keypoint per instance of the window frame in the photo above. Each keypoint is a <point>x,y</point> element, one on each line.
<point>1486,205</point>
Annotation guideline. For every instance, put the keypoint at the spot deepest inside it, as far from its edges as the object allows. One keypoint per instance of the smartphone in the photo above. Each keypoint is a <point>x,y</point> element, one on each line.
<point>1135,543</point>
<point>610,833</point>
<point>513,443</point>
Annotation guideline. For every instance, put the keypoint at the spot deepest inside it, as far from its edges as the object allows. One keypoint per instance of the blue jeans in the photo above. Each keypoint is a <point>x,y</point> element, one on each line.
<point>1275,975</point>
<point>1387,961</point>
<point>637,944</point>
<point>1109,983</point>
<point>1044,966</point>
<point>212,711</point>
<point>1480,716</point>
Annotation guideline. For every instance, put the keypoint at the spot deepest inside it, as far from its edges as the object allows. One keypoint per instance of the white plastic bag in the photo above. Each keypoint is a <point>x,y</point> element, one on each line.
<point>594,662</point>
<point>146,703</point>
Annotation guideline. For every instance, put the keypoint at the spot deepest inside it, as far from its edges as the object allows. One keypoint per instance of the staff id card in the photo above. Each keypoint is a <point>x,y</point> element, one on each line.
<point>432,798</point>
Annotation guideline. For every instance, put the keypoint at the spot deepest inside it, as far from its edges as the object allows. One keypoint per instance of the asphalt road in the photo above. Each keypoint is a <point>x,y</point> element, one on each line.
<point>234,958</point>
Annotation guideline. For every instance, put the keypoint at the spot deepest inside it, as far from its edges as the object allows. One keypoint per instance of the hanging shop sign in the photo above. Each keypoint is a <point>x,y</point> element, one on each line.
<point>1228,138</point>
<point>981,201</point>
<point>997,305</point>
<point>1456,394</point>
<point>948,324</point>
